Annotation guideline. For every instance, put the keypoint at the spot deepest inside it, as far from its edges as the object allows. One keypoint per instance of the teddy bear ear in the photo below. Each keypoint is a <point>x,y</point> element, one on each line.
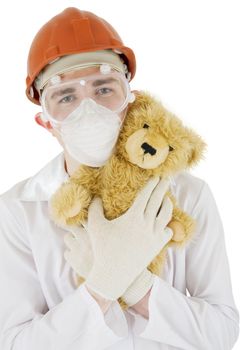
<point>198,148</point>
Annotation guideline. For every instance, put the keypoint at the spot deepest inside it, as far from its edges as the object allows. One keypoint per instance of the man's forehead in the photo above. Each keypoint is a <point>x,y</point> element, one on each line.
<point>81,72</point>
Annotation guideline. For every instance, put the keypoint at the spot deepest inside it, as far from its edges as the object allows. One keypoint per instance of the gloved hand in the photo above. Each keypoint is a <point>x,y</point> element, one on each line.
<point>135,237</point>
<point>79,255</point>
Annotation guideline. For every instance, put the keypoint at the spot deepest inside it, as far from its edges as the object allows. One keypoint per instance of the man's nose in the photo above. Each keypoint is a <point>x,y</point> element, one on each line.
<point>148,149</point>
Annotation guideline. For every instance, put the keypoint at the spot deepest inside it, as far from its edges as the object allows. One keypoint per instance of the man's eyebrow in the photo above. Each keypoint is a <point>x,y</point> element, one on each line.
<point>99,82</point>
<point>62,92</point>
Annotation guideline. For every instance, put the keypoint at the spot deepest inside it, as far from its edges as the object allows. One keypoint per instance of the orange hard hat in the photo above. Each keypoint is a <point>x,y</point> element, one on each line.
<point>72,31</point>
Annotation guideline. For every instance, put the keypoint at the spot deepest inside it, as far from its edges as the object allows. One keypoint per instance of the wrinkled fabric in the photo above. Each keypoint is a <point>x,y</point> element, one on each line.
<point>191,305</point>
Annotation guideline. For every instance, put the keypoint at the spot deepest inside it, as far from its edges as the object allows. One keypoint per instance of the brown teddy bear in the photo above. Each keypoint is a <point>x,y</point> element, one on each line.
<point>152,142</point>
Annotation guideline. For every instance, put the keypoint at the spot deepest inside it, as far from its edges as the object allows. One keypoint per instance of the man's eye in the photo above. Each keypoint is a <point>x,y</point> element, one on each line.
<point>103,91</point>
<point>67,99</point>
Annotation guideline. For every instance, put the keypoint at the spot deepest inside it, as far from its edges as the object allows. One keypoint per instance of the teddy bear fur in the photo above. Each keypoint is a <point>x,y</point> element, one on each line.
<point>152,142</point>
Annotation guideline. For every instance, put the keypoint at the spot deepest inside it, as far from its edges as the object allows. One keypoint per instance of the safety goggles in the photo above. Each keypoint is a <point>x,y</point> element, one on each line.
<point>108,88</point>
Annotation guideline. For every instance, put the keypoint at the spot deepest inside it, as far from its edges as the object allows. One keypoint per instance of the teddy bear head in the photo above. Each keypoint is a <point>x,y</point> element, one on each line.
<point>155,139</point>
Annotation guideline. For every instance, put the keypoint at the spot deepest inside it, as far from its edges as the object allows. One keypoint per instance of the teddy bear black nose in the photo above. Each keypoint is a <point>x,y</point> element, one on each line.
<point>148,149</point>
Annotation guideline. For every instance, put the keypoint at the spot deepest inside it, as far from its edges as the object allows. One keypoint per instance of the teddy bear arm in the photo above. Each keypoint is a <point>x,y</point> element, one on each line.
<point>69,204</point>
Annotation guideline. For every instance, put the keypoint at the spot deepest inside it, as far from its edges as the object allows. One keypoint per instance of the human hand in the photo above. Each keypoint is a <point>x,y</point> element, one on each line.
<point>79,255</point>
<point>136,236</point>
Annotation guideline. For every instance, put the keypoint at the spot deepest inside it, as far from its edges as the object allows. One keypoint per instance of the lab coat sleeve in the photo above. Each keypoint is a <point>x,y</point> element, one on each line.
<point>25,321</point>
<point>208,318</point>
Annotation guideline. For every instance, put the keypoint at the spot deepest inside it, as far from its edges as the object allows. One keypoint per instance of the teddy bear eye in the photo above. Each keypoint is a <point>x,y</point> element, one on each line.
<point>171,148</point>
<point>145,126</point>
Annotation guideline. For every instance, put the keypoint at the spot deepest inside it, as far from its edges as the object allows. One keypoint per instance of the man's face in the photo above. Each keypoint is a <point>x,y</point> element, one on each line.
<point>54,100</point>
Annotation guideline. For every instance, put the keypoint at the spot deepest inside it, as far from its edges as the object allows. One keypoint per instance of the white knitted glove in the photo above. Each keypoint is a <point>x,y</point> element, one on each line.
<point>79,255</point>
<point>125,246</point>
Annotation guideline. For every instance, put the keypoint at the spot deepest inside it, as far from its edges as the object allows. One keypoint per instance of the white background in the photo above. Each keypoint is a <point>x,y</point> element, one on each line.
<point>189,54</point>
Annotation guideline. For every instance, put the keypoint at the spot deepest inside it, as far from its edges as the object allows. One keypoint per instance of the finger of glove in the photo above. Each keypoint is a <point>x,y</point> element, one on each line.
<point>143,195</point>
<point>81,238</point>
<point>95,212</point>
<point>156,199</point>
<point>165,214</point>
<point>164,237</point>
<point>76,265</point>
<point>80,244</point>
<point>80,252</point>
<point>77,231</point>
<point>67,255</point>
<point>70,241</point>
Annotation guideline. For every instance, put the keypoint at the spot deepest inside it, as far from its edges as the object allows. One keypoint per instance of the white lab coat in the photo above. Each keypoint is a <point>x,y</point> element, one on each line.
<point>190,307</point>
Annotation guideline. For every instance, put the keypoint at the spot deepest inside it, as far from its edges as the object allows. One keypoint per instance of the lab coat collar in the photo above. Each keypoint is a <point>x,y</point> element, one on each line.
<point>41,186</point>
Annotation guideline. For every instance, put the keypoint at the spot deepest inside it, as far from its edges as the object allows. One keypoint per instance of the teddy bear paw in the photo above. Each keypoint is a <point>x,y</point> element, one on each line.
<point>68,205</point>
<point>178,231</point>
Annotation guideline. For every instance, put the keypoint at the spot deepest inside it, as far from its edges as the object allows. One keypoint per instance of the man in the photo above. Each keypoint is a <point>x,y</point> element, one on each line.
<point>79,71</point>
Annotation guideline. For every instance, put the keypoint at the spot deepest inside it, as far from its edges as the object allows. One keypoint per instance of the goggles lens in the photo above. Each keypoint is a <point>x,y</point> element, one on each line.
<point>109,90</point>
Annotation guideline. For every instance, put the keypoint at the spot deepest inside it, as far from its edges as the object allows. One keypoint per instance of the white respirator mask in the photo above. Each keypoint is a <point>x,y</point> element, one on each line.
<point>85,112</point>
